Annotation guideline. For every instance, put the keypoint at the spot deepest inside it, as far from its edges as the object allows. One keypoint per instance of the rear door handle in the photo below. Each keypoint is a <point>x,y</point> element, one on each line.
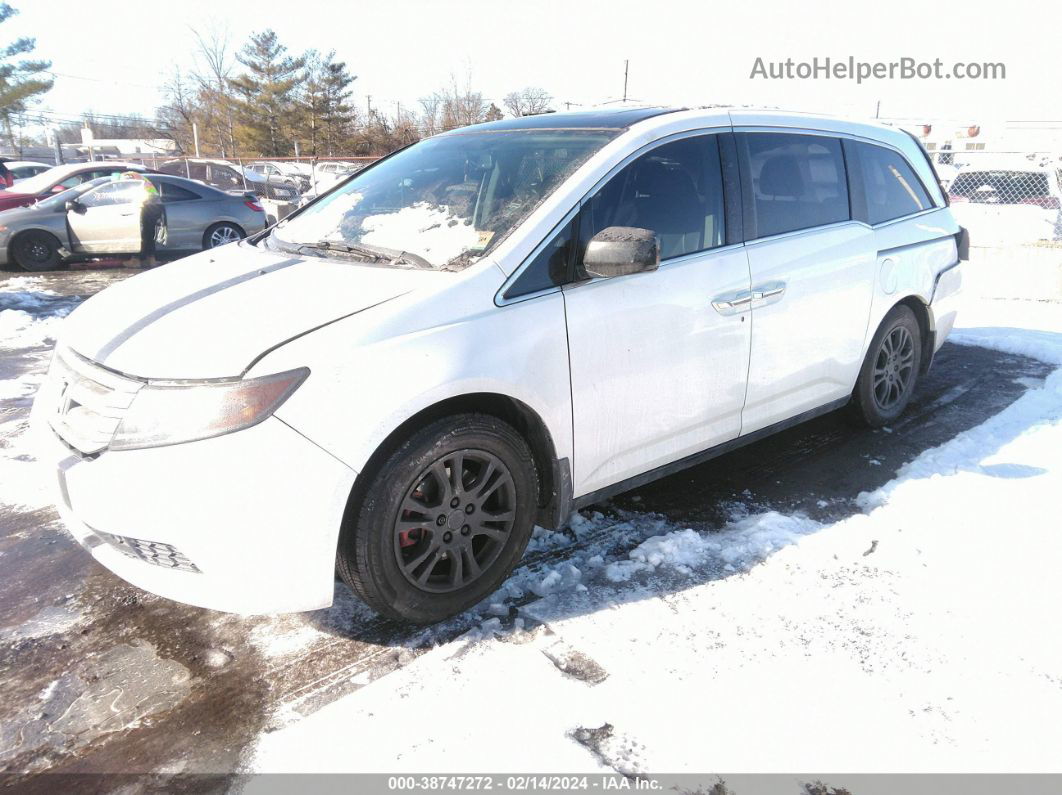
<point>768,291</point>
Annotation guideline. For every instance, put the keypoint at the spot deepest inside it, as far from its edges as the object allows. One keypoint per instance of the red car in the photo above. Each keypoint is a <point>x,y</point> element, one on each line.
<point>58,179</point>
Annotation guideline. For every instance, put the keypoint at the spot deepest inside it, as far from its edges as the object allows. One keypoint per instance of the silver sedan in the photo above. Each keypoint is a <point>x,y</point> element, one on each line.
<point>102,217</point>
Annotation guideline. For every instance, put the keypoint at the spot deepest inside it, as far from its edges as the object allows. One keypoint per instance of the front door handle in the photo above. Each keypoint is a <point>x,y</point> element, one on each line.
<point>732,303</point>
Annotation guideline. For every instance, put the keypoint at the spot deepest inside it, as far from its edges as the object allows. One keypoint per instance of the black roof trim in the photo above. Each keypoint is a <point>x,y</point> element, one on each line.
<point>606,119</point>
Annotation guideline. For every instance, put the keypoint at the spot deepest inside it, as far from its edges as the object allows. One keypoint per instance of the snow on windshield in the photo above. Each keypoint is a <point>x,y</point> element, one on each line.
<point>434,233</point>
<point>447,199</point>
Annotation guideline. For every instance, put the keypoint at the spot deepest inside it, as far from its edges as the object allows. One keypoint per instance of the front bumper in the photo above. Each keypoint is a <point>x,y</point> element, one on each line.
<point>245,523</point>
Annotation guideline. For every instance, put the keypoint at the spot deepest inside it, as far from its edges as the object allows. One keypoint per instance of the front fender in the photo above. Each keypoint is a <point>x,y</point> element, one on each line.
<point>372,372</point>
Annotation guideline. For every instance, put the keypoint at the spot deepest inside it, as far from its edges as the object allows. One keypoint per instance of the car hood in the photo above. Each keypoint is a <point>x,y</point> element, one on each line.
<point>213,314</point>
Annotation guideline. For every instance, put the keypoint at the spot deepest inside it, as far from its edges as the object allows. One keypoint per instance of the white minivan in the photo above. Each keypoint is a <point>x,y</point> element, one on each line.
<point>486,331</point>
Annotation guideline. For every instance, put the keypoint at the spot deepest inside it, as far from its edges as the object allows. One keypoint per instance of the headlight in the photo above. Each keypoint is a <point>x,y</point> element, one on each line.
<point>163,414</point>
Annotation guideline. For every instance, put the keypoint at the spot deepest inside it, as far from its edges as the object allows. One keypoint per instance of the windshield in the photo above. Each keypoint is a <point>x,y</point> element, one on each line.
<point>445,201</point>
<point>59,199</point>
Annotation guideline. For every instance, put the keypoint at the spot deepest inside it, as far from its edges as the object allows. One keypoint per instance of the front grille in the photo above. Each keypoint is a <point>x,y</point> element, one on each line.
<point>153,552</point>
<point>91,401</point>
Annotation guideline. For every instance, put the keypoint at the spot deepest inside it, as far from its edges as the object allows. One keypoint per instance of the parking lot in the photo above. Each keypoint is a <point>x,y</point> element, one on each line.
<point>99,676</point>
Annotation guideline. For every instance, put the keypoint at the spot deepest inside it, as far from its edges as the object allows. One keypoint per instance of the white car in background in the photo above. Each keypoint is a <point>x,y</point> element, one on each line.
<point>488,330</point>
<point>326,176</point>
<point>1007,203</point>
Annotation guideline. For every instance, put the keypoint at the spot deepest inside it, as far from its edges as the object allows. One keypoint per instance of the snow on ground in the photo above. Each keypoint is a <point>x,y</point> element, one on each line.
<point>30,315</point>
<point>919,635</point>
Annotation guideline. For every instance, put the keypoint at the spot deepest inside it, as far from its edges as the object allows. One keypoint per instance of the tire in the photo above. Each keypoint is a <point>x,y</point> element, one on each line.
<point>36,251</point>
<point>889,373</point>
<point>421,551</point>
<point>222,234</point>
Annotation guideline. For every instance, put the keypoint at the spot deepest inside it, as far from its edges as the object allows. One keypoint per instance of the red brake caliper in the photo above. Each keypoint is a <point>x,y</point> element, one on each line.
<point>409,538</point>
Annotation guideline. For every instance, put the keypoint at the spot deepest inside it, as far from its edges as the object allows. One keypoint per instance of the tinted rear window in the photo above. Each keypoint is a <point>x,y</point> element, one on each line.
<point>791,182</point>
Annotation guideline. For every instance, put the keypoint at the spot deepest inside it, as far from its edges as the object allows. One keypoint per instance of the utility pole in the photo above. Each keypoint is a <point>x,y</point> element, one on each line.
<point>195,137</point>
<point>368,105</point>
<point>57,147</point>
<point>626,64</point>
<point>877,110</point>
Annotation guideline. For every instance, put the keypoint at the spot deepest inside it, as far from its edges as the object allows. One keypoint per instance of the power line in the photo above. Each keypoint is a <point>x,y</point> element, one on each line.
<point>100,80</point>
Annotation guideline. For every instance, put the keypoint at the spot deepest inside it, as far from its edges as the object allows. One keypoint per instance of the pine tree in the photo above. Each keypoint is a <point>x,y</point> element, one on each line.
<point>337,117</point>
<point>325,115</point>
<point>265,95</point>
<point>22,80</point>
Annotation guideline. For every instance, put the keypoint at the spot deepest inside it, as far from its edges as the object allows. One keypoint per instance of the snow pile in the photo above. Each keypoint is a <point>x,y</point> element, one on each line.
<point>19,329</point>
<point>743,544</point>
<point>30,315</point>
<point>25,483</point>
<point>29,318</point>
<point>23,386</point>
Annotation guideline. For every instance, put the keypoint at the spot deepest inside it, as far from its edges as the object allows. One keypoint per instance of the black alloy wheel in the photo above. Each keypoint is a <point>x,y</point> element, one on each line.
<point>454,520</point>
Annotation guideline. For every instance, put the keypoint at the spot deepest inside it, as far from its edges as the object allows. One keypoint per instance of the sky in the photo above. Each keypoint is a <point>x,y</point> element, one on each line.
<point>111,57</point>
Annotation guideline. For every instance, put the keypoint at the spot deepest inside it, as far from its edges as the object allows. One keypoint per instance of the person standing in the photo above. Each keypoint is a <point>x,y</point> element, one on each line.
<point>152,219</point>
<point>7,179</point>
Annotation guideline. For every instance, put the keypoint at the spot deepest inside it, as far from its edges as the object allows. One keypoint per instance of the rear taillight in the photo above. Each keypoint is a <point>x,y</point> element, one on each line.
<point>253,205</point>
<point>1047,202</point>
<point>952,197</point>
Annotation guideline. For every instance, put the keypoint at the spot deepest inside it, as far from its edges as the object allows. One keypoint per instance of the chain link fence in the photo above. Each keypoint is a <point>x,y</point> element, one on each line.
<point>1009,198</point>
<point>1011,202</point>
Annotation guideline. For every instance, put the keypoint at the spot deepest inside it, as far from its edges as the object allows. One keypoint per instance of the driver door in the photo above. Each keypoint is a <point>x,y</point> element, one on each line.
<point>659,360</point>
<point>108,221</point>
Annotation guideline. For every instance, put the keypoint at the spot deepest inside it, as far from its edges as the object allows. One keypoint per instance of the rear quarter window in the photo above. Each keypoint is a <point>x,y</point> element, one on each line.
<point>888,188</point>
<point>174,193</point>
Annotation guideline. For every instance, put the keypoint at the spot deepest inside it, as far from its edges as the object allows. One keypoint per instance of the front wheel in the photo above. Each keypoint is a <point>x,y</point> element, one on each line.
<point>443,520</point>
<point>890,370</point>
<point>220,234</point>
<point>36,251</point>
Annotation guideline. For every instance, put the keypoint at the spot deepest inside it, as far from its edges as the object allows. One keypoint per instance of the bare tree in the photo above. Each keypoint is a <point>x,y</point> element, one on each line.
<point>181,109</point>
<point>431,113</point>
<point>212,78</point>
<point>461,105</point>
<point>528,101</point>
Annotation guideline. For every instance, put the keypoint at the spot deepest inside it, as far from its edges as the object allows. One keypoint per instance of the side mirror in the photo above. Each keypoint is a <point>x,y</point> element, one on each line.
<point>74,206</point>
<point>620,250</point>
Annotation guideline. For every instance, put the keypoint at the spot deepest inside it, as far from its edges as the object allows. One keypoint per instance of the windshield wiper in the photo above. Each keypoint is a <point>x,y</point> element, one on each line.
<point>352,248</point>
<point>376,253</point>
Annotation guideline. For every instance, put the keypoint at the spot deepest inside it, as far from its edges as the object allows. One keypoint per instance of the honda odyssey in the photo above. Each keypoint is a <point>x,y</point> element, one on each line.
<point>485,331</point>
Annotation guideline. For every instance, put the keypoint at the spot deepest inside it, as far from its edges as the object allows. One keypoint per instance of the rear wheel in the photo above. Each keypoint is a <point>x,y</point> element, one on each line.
<point>890,371</point>
<point>443,520</point>
<point>220,234</point>
<point>36,251</point>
